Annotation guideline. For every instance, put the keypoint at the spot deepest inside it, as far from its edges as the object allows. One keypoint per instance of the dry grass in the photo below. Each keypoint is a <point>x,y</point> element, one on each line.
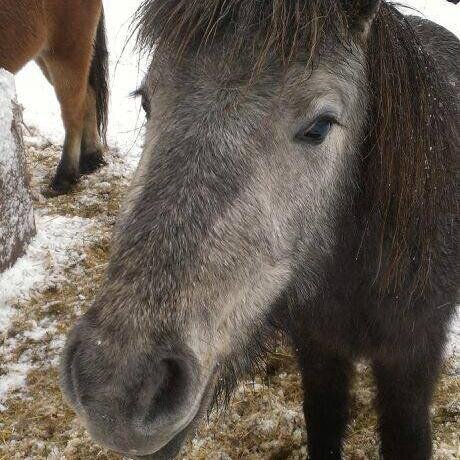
<point>264,420</point>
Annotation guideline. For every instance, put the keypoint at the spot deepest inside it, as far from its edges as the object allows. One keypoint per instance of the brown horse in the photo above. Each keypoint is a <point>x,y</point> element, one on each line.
<point>67,40</point>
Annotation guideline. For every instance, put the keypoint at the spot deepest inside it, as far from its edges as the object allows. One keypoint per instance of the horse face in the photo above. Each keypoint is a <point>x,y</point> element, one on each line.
<point>238,191</point>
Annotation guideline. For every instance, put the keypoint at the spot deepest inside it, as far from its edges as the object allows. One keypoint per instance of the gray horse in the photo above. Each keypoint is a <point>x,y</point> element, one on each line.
<point>300,174</point>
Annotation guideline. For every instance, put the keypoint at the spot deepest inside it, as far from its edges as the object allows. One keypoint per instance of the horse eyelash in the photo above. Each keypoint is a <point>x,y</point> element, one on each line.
<point>139,92</point>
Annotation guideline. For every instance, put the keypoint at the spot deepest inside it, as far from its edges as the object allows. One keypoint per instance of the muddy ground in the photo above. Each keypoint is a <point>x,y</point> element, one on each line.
<point>264,419</point>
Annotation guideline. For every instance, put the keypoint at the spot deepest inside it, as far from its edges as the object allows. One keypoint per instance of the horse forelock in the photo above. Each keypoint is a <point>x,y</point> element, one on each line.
<point>260,27</point>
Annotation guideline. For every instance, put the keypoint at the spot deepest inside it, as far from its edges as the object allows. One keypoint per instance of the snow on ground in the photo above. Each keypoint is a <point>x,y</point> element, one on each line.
<point>55,249</point>
<point>50,252</point>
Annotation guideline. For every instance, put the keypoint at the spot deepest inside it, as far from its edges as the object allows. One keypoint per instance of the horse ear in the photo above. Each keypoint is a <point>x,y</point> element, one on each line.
<point>364,12</point>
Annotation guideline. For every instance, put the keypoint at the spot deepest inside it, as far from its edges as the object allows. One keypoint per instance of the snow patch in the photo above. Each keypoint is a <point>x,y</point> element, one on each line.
<point>40,331</point>
<point>13,380</point>
<point>50,252</point>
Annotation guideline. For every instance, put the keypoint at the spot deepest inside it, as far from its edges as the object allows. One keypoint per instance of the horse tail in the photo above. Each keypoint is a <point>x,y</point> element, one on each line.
<point>99,78</point>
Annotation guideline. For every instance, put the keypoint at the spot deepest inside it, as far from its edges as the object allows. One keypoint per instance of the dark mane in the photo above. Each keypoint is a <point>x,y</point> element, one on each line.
<point>411,164</point>
<point>408,156</point>
<point>259,27</point>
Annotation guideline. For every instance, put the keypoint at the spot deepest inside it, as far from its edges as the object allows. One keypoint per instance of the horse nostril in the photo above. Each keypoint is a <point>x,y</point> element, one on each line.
<point>166,391</point>
<point>172,390</point>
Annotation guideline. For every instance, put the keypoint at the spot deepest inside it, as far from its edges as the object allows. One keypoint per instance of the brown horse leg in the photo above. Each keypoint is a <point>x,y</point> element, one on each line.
<point>42,64</point>
<point>91,149</point>
<point>91,155</point>
<point>70,83</point>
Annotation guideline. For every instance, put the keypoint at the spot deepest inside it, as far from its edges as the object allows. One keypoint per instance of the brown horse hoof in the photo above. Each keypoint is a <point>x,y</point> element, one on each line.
<point>60,186</point>
<point>90,163</point>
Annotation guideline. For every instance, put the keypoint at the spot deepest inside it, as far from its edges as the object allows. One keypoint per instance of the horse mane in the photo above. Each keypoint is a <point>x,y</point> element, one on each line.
<point>410,162</point>
<point>408,157</point>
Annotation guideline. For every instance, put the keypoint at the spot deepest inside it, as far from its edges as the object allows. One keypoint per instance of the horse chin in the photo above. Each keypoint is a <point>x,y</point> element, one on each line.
<point>169,451</point>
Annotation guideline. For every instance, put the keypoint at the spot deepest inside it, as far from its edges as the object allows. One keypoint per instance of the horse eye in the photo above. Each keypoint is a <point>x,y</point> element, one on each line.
<point>317,132</point>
